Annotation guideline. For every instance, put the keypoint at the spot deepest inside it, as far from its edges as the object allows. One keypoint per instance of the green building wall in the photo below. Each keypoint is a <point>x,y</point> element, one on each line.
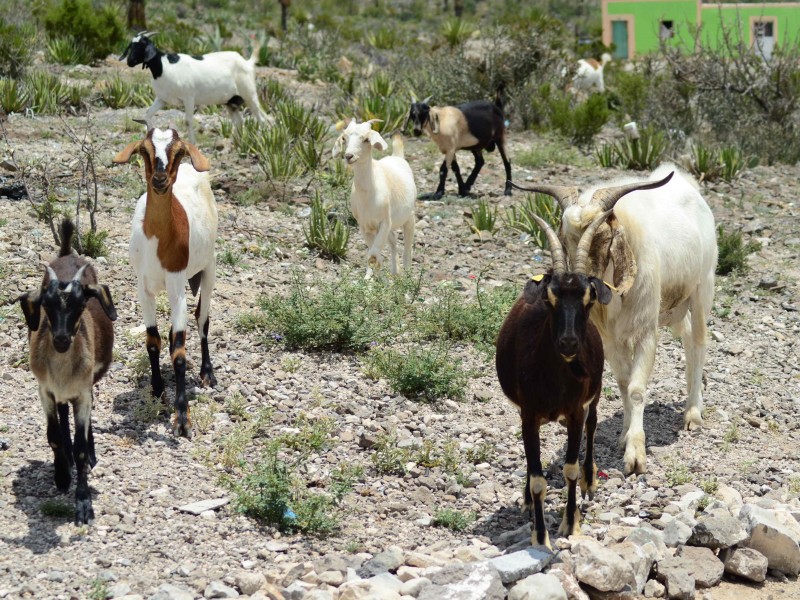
<point>647,19</point>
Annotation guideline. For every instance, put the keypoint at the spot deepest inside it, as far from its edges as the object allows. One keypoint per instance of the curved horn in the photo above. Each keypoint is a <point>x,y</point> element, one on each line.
<point>608,197</point>
<point>79,273</point>
<point>585,243</point>
<point>428,99</point>
<point>556,249</point>
<point>565,196</point>
<point>51,273</point>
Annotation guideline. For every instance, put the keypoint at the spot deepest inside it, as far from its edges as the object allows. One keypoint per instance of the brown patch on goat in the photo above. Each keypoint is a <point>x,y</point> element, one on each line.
<point>592,63</point>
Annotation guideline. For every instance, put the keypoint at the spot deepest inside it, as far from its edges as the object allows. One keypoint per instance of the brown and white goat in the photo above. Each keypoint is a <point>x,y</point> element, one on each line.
<point>474,126</point>
<point>71,339</point>
<point>659,248</point>
<point>550,365</point>
<point>172,241</point>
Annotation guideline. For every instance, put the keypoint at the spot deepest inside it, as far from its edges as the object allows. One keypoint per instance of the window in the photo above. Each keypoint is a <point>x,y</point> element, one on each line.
<point>666,30</point>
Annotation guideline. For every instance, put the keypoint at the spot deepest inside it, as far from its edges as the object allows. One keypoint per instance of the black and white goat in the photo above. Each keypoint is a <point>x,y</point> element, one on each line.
<point>474,126</point>
<point>550,365</point>
<point>71,339</point>
<point>173,233</point>
<point>196,81</point>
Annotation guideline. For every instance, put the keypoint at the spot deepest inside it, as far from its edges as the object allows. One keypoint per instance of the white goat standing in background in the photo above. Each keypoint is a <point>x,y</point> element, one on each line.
<point>384,194</point>
<point>589,74</point>
<point>659,248</point>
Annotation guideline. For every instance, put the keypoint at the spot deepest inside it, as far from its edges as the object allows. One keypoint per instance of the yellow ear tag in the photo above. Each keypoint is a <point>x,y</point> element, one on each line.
<point>611,287</point>
<point>537,277</point>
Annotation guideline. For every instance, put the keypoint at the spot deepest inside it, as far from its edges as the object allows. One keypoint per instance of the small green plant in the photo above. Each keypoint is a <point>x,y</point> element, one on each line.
<point>328,236</point>
<point>520,217</point>
<point>677,474</point>
<point>425,455</point>
<point>98,590</point>
<point>385,37</point>
<point>709,485</point>
<point>427,374</point>
<point>456,31</point>
<point>14,97</point>
<point>343,478</point>
<point>481,453</point>
<point>387,458</point>
<point>734,162</point>
<point>66,51</point>
<point>236,406</point>
<point>312,435</point>
<point>642,154</point>
<point>703,503</point>
<point>484,217</point>
<point>149,408</point>
<point>794,485</point>
<point>47,93</point>
<point>231,258</point>
<point>17,43</point>
<point>115,92</point>
<point>291,364</point>
<point>453,520</point>
<point>56,508</point>
<point>705,163</point>
<point>94,243</point>
<point>733,252</point>
<point>606,155</point>
<point>731,435</point>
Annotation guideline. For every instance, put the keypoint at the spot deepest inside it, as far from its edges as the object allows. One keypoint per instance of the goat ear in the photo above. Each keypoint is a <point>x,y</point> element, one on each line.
<point>536,288</point>
<point>600,290</point>
<point>103,295</point>
<point>31,304</point>
<point>377,140</point>
<point>124,156</point>
<point>435,122</point>
<point>622,256</point>
<point>338,146</point>
<point>199,162</point>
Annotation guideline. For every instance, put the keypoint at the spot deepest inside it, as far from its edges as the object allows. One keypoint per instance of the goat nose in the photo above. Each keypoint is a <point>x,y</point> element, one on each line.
<point>348,157</point>
<point>61,342</point>
<point>568,346</point>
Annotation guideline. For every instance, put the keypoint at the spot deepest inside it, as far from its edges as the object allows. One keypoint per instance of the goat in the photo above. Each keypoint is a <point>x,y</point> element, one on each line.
<point>589,74</point>
<point>658,247</point>
<point>550,365</point>
<point>383,195</point>
<point>71,338</point>
<point>213,78</point>
<point>172,240</point>
<point>474,126</point>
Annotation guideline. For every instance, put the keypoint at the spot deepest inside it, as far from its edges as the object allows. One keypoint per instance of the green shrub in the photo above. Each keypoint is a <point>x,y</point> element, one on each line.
<point>734,162</point>
<point>632,93</point>
<point>606,155</point>
<point>484,217</point>
<point>347,314</point>
<point>426,374</point>
<point>453,519</point>
<point>100,31</point>
<point>328,236</point>
<point>94,243</point>
<point>384,38</point>
<point>179,36</point>
<point>643,154</point>
<point>578,122</point>
<point>733,252</point>
<point>66,51</point>
<point>456,31</point>
<point>705,163</point>
<point>115,92</point>
<point>14,96</point>
<point>47,93</point>
<point>520,217</point>
<point>387,458</point>
<point>16,48</point>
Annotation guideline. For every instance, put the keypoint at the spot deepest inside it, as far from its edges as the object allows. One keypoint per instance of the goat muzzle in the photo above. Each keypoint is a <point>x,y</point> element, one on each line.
<point>61,342</point>
<point>160,182</point>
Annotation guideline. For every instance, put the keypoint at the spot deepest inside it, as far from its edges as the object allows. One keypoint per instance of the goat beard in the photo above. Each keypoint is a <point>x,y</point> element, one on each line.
<point>609,244</point>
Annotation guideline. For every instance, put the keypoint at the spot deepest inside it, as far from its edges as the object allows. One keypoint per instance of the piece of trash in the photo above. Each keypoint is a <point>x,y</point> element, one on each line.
<point>289,514</point>
<point>602,475</point>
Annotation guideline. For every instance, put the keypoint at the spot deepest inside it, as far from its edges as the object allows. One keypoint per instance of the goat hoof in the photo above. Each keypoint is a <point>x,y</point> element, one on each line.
<point>208,379</point>
<point>181,427</point>
<point>693,419</point>
<point>83,511</point>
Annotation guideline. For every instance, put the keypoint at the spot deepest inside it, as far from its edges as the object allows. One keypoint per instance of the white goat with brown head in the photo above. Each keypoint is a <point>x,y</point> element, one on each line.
<point>173,233</point>
<point>659,248</point>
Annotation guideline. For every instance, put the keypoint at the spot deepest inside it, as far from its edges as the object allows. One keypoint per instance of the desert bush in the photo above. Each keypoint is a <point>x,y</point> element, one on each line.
<point>734,162</point>
<point>421,373</point>
<point>456,31</point>
<point>484,217</point>
<point>519,217</point>
<point>66,51</point>
<point>47,93</point>
<point>16,48</point>
<point>452,519</point>
<point>328,236</point>
<point>100,31</point>
<point>733,252</point>
<point>179,36</point>
<point>14,96</point>
<point>579,121</point>
<point>640,154</point>
<point>115,92</point>
<point>705,163</point>
<point>385,37</point>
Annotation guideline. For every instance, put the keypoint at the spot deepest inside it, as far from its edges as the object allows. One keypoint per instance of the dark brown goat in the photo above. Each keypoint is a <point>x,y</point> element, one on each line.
<point>71,338</point>
<point>550,365</point>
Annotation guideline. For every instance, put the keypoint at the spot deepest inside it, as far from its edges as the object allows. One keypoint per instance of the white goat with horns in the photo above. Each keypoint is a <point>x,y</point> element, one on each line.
<point>659,248</point>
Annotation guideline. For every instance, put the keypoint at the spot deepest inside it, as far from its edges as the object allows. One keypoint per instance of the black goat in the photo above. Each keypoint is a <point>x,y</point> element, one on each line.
<point>71,341</point>
<point>474,126</point>
<point>550,365</point>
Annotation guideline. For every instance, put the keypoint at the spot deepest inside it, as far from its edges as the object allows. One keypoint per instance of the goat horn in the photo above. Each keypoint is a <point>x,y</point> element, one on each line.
<point>51,273</point>
<point>585,243</point>
<point>556,249</point>
<point>142,122</point>
<point>79,274</point>
<point>565,196</point>
<point>608,197</point>
<point>428,99</point>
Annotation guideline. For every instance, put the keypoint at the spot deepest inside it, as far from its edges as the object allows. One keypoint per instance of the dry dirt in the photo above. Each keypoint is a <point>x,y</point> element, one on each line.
<point>752,396</point>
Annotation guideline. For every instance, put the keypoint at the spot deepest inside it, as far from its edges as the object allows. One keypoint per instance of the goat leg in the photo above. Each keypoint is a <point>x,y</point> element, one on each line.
<point>61,461</point>
<point>181,425</point>
<point>201,316</point>
<point>571,522</point>
<point>507,166</point>
<point>588,481</point>
<point>462,188</point>
<point>535,484</point>
<point>82,408</point>
<point>442,178</point>
<point>153,352</point>
<point>479,162</point>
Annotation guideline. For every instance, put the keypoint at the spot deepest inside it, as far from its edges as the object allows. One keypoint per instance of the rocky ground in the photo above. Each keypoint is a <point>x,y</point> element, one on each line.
<point>143,543</point>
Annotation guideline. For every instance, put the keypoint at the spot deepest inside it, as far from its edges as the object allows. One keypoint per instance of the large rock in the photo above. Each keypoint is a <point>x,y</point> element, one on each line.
<point>167,591</point>
<point>774,533</point>
<point>650,540</point>
<point>701,563</point>
<point>472,581</point>
<point>388,561</point>
<point>731,497</point>
<point>718,531</point>
<point>248,582</point>
<point>601,568</point>
<point>513,567</point>
<point>654,589</point>
<point>217,589</point>
<point>569,583</point>
<point>678,582</point>
<point>538,587</point>
<point>747,563</point>
<point>676,533</point>
<point>638,559</point>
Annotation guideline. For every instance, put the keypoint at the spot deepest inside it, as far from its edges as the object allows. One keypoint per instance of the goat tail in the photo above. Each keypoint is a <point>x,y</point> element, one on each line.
<point>66,231</point>
<point>398,146</point>
<point>254,54</point>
